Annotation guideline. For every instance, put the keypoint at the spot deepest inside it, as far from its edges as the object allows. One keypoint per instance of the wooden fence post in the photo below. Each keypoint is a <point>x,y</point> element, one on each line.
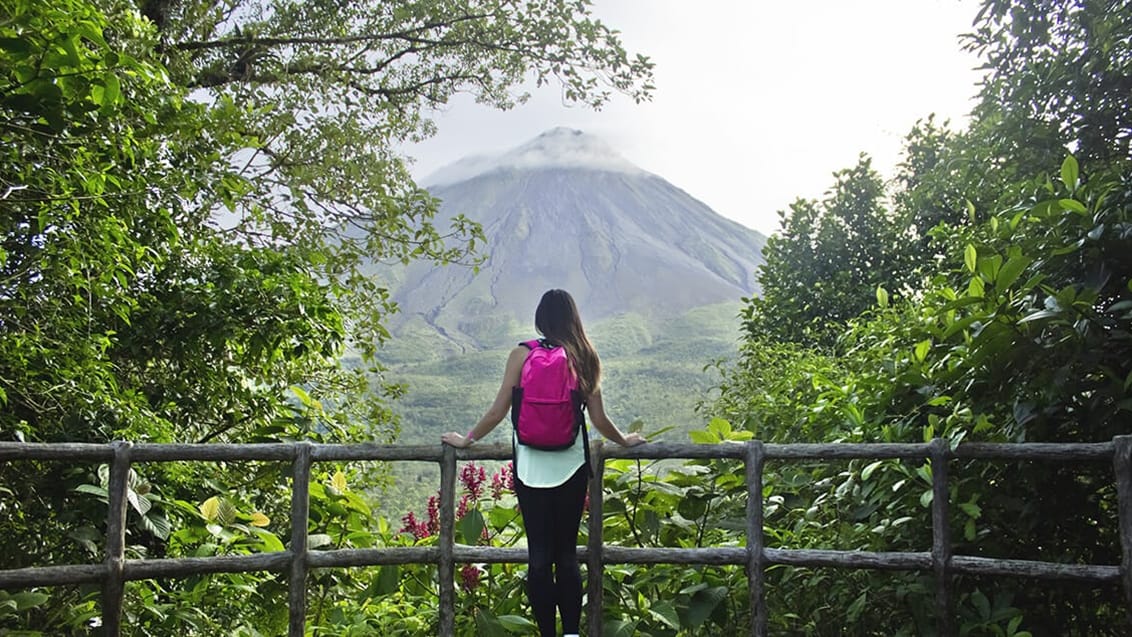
<point>114,586</point>
<point>300,516</point>
<point>941,537</point>
<point>1122,465</point>
<point>595,564</point>
<point>446,568</point>
<point>756,568</point>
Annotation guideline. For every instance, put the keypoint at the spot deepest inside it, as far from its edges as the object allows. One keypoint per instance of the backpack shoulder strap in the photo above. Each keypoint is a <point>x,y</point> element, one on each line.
<point>531,344</point>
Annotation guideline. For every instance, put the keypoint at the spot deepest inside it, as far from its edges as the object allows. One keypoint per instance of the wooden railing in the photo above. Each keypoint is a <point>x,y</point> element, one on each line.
<point>297,560</point>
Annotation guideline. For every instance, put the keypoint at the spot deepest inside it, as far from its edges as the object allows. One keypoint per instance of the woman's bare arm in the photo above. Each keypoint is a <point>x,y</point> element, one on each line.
<point>499,407</point>
<point>603,424</point>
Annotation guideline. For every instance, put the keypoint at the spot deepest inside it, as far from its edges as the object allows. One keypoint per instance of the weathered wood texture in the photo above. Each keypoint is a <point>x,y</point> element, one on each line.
<point>115,570</point>
<point>300,519</point>
<point>595,560</point>
<point>1122,466</point>
<point>447,566</point>
<point>756,552</point>
<point>113,587</point>
<point>941,538</point>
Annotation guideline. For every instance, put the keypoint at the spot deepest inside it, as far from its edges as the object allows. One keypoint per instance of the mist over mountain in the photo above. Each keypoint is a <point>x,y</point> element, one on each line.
<point>565,210</point>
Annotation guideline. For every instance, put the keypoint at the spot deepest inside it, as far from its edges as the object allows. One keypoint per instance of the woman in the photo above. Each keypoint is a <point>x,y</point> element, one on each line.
<point>551,485</point>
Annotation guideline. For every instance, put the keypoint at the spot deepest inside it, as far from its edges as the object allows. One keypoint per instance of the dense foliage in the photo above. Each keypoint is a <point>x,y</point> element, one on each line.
<point>1011,322</point>
<point>189,193</point>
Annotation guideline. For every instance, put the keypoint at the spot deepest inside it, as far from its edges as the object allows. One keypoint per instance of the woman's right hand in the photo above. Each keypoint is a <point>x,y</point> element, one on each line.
<point>455,439</point>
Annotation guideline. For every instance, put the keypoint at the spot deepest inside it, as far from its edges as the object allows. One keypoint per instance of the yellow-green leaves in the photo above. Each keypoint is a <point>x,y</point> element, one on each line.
<point>1070,172</point>
<point>338,480</point>
<point>719,430</point>
<point>218,510</point>
<point>970,258</point>
<point>921,350</point>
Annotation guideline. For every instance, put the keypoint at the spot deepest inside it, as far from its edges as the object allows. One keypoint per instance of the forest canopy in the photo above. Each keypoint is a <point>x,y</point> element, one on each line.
<point>190,193</point>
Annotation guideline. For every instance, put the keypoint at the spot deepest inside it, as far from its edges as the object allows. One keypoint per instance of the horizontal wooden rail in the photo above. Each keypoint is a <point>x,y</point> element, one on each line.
<point>755,556</point>
<point>148,452</point>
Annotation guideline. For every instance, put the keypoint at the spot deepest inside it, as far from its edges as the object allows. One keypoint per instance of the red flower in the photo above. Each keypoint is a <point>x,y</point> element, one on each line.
<point>462,507</point>
<point>469,577</point>
<point>433,514</point>
<point>502,481</point>
<point>473,478</point>
<point>411,525</point>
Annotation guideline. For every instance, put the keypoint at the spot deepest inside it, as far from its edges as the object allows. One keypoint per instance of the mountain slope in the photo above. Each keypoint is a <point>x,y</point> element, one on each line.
<point>565,211</point>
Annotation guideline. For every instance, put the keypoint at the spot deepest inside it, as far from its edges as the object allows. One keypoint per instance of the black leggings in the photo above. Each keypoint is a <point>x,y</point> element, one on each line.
<point>551,517</point>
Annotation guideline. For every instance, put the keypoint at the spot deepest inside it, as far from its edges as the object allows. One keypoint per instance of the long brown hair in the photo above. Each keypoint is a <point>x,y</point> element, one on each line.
<point>557,319</point>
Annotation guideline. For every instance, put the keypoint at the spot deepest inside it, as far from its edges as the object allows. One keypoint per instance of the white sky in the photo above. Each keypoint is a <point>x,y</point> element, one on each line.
<point>757,102</point>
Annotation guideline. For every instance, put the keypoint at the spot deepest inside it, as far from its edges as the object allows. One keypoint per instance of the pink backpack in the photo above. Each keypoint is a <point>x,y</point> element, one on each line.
<point>546,407</point>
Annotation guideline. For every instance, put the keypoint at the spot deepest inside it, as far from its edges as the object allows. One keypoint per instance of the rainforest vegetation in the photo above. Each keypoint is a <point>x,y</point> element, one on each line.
<point>189,192</point>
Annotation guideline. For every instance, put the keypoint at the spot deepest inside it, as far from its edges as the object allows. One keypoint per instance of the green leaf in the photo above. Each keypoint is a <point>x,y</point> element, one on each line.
<point>703,603</point>
<point>93,490</point>
<point>319,540</point>
<point>517,624</point>
<point>338,481</point>
<point>619,628</point>
<point>302,395</point>
<point>112,90</point>
<point>29,599</point>
<point>922,349</point>
<point>703,437</point>
<point>210,508</point>
<point>665,613</point>
<point>1069,172</point>
<point>271,542</point>
<point>15,45</point>
<point>500,517</point>
<point>868,471</point>
<point>970,258</point>
<point>488,625</point>
<point>981,603</point>
<point>989,267</point>
<point>471,527</point>
<point>882,297</point>
<point>385,582</point>
<point>140,504</point>
<point>1010,271</point>
<point>857,606</point>
<point>1072,205</point>
<point>1039,315</point>
<point>720,427</point>
<point>226,512</point>
<point>976,287</point>
<point>157,524</point>
<point>959,325</point>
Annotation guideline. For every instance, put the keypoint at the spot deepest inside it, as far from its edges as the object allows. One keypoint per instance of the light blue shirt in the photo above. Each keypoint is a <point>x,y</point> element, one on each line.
<point>545,469</point>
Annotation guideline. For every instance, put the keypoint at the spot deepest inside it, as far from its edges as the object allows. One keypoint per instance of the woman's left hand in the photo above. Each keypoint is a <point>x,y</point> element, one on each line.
<point>633,439</point>
<point>455,439</point>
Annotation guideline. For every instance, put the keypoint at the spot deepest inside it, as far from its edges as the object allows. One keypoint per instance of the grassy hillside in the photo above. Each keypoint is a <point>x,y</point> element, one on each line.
<point>653,371</point>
